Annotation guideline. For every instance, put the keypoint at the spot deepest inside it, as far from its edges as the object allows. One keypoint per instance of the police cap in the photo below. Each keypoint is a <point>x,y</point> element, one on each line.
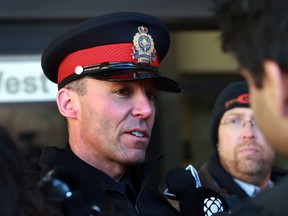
<point>115,47</point>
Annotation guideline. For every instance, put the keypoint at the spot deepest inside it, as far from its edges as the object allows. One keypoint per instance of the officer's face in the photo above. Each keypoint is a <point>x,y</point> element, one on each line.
<point>116,119</point>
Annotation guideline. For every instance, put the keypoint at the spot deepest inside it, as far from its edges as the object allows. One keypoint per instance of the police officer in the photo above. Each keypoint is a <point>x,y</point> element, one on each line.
<point>107,71</point>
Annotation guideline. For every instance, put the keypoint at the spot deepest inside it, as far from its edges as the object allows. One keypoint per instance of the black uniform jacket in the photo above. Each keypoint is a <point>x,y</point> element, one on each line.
<point>214,176</point>
<point>99,189</point>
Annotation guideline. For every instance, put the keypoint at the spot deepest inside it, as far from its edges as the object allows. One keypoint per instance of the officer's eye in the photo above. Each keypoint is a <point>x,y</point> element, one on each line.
<point>124,91</point>
<point>152,96</point>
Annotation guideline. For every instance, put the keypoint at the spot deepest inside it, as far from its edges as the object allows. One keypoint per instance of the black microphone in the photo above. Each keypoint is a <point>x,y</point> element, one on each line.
<point>196,201</point>
<point>62,185</point>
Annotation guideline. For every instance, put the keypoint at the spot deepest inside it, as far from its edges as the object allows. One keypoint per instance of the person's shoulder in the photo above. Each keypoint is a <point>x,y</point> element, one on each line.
<point>278,173</point>
<point>270,202</point>
<point>204,172</point>
<point>207,179</point>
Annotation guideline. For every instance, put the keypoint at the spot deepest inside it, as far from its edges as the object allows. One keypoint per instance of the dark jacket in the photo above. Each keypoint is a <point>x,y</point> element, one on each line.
<point>271,202</point>
<point>214,176</point>
<point>99,189</point>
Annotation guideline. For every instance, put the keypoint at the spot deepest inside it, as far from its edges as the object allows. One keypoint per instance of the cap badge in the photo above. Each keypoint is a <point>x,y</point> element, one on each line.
<point>143,48</point>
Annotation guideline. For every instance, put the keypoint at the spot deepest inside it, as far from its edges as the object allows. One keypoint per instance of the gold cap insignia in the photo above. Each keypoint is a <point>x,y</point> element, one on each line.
<point>143,48</point>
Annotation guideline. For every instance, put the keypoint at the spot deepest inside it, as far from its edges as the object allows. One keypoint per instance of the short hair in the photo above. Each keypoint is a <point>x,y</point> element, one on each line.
<point>78,86</point>
<point>254,31</point>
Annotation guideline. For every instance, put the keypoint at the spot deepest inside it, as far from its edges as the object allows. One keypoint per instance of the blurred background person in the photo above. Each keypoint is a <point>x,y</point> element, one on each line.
<point>255,32</point>
<point>18,183</point>
<point>242,165</point>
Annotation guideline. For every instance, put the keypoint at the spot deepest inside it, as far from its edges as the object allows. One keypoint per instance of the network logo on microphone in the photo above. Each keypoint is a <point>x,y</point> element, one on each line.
<point>212,205</point>
<point>184,186</point>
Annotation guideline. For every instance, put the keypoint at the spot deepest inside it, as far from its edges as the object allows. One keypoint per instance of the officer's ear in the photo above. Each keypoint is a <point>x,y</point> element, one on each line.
<point>67,101</point>
<point>276,81</point>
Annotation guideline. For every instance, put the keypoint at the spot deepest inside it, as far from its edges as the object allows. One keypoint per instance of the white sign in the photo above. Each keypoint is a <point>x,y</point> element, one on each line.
<point>22,80</point>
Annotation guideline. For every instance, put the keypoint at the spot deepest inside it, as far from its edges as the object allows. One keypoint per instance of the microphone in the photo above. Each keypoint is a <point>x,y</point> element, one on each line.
<point>62,185</point>
<point>193,200</point>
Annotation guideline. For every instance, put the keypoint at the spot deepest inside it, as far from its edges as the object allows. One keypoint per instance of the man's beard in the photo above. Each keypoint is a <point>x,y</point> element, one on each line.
<point>250,164</point>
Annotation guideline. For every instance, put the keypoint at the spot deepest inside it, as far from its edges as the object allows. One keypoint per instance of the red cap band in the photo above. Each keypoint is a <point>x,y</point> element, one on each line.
<point>97,55</point>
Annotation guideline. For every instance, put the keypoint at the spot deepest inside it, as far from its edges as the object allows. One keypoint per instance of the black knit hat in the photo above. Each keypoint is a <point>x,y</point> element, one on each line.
<point>234,95</point>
